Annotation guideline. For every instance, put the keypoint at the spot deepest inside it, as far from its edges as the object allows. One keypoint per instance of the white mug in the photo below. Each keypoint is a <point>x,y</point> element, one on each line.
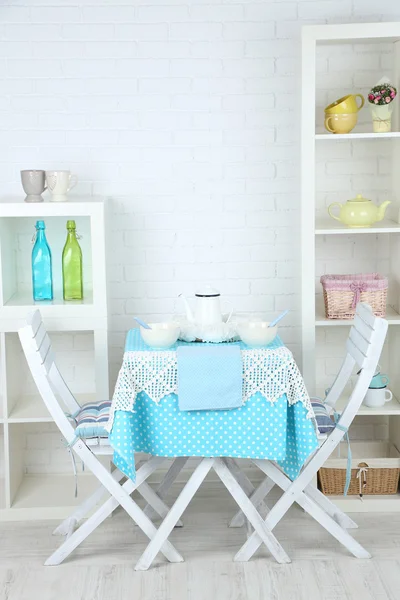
<point>59,183</point>
<point>377,397</point>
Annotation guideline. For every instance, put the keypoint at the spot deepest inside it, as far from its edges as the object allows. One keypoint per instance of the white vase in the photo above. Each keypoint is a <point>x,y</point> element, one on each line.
<point>381,117</point>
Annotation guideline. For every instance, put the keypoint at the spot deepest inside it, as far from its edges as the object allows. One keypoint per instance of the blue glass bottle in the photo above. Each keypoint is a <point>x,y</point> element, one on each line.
<point>42,279</point>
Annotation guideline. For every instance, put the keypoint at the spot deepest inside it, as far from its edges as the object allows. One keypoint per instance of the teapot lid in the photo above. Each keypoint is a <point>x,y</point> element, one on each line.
<point>207,292</point>
<point>359,198</point>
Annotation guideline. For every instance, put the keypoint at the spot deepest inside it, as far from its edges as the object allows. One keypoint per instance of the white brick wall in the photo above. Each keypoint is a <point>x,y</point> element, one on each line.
<point>185,114</point>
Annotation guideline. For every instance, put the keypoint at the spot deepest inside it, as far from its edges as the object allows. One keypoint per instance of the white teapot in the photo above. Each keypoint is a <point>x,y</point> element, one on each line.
<point>208,308</point>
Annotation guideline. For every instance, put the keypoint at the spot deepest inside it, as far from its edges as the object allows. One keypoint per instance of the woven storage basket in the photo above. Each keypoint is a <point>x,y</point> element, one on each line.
<point>381,476</point>
<point>343,292</point>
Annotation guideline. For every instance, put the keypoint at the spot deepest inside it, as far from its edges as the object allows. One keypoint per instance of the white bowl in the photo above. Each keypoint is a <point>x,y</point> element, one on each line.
<point>161,335</point>
<point>256,333</point>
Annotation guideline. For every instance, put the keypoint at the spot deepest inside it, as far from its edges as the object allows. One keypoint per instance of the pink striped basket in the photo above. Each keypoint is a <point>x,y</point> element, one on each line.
<point>343,292</point>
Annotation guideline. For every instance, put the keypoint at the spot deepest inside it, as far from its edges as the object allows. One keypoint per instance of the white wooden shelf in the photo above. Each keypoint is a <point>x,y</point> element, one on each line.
<point>392,316</point>
<point>31,409</point>
<point>327,176</point>
<point>369,135</point>
<point>331,227</point>
<point>24,496</point>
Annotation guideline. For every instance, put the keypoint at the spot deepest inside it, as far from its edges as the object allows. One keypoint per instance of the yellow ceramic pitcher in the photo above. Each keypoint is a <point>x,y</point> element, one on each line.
<point>346,105</point>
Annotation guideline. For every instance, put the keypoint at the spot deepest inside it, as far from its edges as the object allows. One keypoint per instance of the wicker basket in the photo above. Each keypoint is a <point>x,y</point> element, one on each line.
<point>343,292</point>
<point>371,476</point>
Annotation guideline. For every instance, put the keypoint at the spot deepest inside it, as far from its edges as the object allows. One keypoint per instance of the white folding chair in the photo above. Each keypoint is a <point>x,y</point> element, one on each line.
<point>364,347</point>
<point>37,348</point>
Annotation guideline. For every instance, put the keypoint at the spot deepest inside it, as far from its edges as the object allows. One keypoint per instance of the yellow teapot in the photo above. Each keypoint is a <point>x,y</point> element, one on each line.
<point>359,212</point>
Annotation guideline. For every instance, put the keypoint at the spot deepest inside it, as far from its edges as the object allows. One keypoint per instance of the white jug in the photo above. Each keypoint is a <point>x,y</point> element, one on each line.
<point>208,307</point>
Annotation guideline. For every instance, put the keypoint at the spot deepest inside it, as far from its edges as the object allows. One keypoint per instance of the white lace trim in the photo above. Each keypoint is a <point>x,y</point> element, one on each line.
<point>272,373</point>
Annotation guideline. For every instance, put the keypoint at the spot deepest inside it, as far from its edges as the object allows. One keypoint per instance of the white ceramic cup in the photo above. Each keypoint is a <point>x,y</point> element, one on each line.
<point>59,183</point>
<point>377,397</point>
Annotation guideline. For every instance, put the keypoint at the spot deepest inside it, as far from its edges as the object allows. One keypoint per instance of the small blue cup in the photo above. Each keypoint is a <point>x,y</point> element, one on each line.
<point>379,381</point>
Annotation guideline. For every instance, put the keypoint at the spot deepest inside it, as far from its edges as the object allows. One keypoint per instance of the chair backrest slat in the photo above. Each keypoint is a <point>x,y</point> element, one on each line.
<point>41,379</point>
<point>364,346</point>
<point>35,321</point>
<point>364,312</point>
<point>40,357</point>
<point>44,347</point>
<point>356,353</point>
<point>364,328</point>
<point>40,335</point>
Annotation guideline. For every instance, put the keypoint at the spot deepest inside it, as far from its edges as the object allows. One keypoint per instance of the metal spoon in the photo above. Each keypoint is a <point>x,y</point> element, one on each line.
<point>276,321</point>
<point>142,323</point>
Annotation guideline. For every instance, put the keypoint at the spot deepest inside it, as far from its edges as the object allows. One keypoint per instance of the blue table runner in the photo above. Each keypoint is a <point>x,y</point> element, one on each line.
<point>210,377</point>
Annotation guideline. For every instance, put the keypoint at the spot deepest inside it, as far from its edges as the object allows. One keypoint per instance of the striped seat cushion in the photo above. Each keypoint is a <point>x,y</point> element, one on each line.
<point>324,422</point>
<point>91,418</point>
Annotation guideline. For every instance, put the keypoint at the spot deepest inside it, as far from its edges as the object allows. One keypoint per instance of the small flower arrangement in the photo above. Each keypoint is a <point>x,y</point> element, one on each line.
<point>382,94</point>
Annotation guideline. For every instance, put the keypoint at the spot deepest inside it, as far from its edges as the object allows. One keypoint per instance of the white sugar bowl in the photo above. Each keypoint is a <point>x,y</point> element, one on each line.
<point>256,334</point>
<point>161,335</point>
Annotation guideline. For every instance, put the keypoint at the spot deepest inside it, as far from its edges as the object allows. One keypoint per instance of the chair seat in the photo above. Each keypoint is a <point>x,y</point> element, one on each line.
<point>324,422</point>
<point>91,419</point>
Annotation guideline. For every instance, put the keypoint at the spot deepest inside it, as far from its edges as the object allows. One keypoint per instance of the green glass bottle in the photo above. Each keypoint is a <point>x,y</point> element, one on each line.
<point>72,265</point>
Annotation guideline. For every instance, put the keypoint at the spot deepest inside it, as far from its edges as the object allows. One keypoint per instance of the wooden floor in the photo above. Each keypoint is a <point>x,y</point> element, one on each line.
<point>102,569</point>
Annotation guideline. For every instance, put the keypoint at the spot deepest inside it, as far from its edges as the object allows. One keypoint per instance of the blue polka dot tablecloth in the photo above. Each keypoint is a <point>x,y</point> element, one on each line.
<point>258,429</point>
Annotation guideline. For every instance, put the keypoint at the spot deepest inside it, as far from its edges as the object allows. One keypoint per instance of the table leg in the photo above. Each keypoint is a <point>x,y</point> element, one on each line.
<point>174,514</point>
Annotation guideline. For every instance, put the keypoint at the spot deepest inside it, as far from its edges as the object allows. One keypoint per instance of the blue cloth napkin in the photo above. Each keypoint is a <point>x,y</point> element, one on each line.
<point>209,377</point>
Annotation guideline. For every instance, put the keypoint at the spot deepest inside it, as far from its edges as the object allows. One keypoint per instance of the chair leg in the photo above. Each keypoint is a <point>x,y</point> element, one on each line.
<point>250,511</point>
<point>169,478</point>
<point>283,505</point>
<point>174,514</point>
<point>120,496</point>
<point>266,486</point>
<point>329,507</point>
<point>64,528</point>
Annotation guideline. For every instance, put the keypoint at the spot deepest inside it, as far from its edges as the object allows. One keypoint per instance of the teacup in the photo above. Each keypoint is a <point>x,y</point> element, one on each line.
<point>60,183</point>
<point>346,105</point>
<point>379,381</point>
<point>33,182</point>
<point>340,123</point>
<point>374,398</point>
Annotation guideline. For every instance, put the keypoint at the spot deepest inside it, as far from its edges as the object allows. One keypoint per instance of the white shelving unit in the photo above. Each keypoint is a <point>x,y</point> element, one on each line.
<point>327,245</point>
<point>36,478</point>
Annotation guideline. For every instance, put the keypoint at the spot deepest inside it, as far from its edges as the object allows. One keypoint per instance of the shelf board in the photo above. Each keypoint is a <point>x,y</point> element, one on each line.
<point>331,227</point>
<point>24,299</point>
<point>73,315</point>
<point>357,136</point>
<point>392,316</point>
<point>32,409</point>
<point>48,497</point>
<point>368,503</point>
<point>76,206</point>
<point>388,409</point>
<point>353,32</point>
